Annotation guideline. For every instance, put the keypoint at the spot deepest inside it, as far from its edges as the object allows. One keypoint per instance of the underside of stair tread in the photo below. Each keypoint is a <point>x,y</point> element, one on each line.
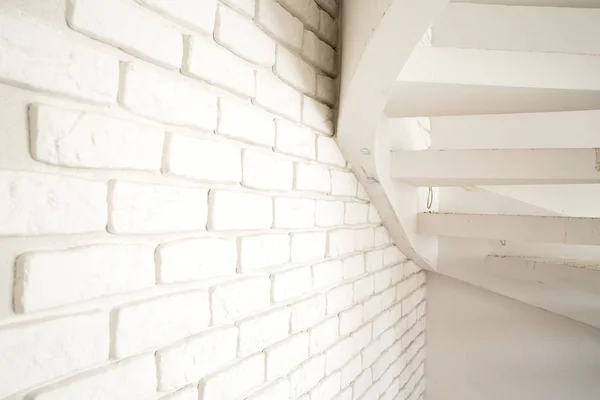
<point>488,146</point>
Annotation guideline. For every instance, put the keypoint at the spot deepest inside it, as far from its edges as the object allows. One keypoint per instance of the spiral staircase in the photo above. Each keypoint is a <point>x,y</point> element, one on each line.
<point>475,128</point>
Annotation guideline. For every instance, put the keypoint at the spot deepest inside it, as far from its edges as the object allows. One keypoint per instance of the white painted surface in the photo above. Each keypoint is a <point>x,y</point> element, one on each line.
<point>527,228</point>
<point>485,346</point>
<point>518,28</point>
<point>568,129</point>
<point>495,167</point>
<point>502,68</point>
<point>114,282</point>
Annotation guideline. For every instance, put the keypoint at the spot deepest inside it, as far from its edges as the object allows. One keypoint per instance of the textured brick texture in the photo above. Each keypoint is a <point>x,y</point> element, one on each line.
<point>176,219</point>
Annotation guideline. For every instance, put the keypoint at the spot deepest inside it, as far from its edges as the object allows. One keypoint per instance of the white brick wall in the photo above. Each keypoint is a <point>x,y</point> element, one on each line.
<point>179,223</point>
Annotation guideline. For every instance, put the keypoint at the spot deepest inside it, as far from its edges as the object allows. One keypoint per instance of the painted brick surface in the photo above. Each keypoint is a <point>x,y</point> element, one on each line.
<point>180,222</point>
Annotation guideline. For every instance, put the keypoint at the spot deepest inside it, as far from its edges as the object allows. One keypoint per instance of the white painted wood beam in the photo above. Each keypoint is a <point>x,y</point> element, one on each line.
<point>575,274</point>
<point>518,28</point>
<point>553,130</point>
<point>502,68</point>
<point>495,167</point>
<point>430,99</point>
<point>528,228</point>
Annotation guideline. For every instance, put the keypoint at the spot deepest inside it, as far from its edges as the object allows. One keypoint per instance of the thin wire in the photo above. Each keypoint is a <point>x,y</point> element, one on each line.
<point>430,198</point>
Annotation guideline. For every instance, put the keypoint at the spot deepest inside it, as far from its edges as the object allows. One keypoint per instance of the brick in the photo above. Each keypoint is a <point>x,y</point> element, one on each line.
<point>68,69</point>
<point>372,392</point>
<point>328,273</point>
<point>130,379</point>
<point>146,208</point>
<point>307,313</point>
<point>356,213</point>
<point>206,60</point>
<point>362,192</point>
<point>374,260</point>
<point>76,206</point>
<point>81,139</point>
<point>362,337</point>
<point>246,7</point>
<point>371,308</point>
<point>285,356</point>
<point>329,213</point>
<point>354,266</point>
<point>267,171</point>
<point>168,98</point>
<point>364,239</point>
<point>46,279</point>
<point>351,370</point>
<point>263,251</point>
<point>33,353</point>
<point>306,10</point>
<point>231,301</point>
<point>280,23</point>
<point>231,210</point>
<point>328,152</point>
<point>382,363</point>
<point>306,376</point>
<point>383,280</point>
<point>109,21</point>
<point>295,71</point>
<point>197,15</point>
<point>340,242</point>
<point>291,283</point>
<point>346,394</point>
<point>343,183</point>
<point>370,353</point>
<point>362,383</point>
<point>363,288</point>
<point>328,29</point>
<point>187,393</point>
<point>374,215</point>
<point>324,335</point>
<point>339,298</point>
<point>235,382</point>
<point>331,6</point>
<point>327,388</point>
<point>350,320</point>
<point>308,246</point>
<point>382,236</point>
<point>244,122</point>
<point>276,96</point>
<point>257,333</point>
<point>243,38</point>
<point>317,115</point>
<point>294,212</point>
<point>277,390</point>
<point>203,160</point>
<point>327,90</point>
<point>318,53</point>
<point>151,323</point>
<point>388,297</point>
<point>295,140</point>
<point>392,256</point>
<point>338,355</point>
<point>314,178</point>
<point>190,360</point>
<point>198,258</point>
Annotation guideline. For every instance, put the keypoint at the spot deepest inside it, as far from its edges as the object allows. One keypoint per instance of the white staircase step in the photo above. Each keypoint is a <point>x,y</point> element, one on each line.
<point>537,29</point>
<point>502,68</point>
<point>423,99</point>
<point>576,274</point>
<point>539,3</point>
<point>526,228</point>
<point>571,129</point>
<point>495,167</point>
